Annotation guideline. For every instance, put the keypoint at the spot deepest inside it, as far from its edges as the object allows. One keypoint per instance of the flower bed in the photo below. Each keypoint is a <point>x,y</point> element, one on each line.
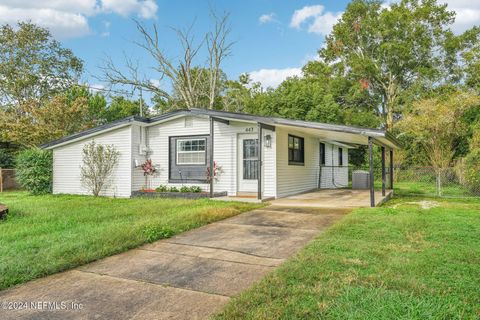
<point>169,194</point>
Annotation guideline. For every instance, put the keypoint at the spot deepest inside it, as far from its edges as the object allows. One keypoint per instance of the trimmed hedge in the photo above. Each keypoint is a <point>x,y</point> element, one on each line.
<point>34,170</point>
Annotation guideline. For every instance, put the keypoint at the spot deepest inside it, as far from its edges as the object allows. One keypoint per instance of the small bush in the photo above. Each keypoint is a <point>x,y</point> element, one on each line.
<point>7,159</point>
<point>161,188</point>
<point>195,189</point>
<point>185,189</point>
<point>173,189</point>
<point>472,171</point>
<point>34,170</point>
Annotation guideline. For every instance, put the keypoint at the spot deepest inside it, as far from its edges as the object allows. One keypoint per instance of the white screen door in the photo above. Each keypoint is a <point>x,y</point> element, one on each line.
<point>247,163</point>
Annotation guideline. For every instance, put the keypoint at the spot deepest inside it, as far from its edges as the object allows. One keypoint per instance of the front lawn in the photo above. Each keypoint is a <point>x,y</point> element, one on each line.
<point>48,234</point>
<point>395,262</point>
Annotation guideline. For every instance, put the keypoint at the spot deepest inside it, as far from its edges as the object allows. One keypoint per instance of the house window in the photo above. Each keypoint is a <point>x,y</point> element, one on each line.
<point>296,152</point>
<point>191,151</point>
<point>340,156</point>
<point>322,154</point>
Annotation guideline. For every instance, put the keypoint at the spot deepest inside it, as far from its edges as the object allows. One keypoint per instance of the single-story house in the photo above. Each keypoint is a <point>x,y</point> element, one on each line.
<point>265,157</point>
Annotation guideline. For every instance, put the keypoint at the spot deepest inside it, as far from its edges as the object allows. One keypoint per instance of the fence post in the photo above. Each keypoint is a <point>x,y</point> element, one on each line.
<point>370,160</point>
<point>383,172</point>
<point>391,169</point>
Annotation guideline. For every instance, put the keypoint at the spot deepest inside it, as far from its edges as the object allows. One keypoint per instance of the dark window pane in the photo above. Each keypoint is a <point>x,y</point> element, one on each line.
<point>296,152</point>
<point>340,156</point>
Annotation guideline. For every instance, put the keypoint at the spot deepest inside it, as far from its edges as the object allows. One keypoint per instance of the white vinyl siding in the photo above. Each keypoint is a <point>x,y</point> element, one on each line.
<point>67,161</point>
<point>333,175</point>
<point>294,179</point>
<point>159,142</point>
<point>138,139</point>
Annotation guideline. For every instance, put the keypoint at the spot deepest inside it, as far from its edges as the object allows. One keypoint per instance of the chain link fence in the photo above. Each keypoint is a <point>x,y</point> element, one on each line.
<point>426,181</point>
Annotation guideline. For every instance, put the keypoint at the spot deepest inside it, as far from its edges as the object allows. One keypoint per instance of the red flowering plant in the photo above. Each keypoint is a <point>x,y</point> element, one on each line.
<point>148,168</point>
<point>217,171</point>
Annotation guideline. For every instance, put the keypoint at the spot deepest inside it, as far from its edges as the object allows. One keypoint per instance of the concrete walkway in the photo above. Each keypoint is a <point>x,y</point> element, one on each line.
<point>189,276</point>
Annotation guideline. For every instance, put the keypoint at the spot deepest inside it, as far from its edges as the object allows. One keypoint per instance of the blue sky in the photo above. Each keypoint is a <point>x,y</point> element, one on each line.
<point>273,38</point>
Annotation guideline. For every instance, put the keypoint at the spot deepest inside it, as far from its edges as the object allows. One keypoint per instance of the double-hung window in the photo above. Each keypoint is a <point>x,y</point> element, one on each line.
<point>340,156</point>
<point>296,151</point>
<point>191,151</point>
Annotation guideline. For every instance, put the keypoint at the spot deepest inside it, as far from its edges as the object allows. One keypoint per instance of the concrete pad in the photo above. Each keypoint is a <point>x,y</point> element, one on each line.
<point>271,218</point>
<point>332,198</point>
<point>103,297</point>
<point>211,253</point>
<point>271,242</point>
<point>179,271</point>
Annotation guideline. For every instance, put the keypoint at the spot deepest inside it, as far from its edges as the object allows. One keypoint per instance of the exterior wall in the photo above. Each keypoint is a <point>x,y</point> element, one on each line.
<point>68,159</point>
<point>332,175</point>
<point>225,153</point>
<point>138,138</point>
<point>294,179</point>
<point>158,143</point>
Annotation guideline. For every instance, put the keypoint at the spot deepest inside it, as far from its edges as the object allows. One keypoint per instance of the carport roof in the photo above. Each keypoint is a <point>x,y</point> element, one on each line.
<point>334,133</point>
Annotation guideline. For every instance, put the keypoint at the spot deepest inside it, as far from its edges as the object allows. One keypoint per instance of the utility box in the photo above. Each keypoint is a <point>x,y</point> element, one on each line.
<point>360,179</point>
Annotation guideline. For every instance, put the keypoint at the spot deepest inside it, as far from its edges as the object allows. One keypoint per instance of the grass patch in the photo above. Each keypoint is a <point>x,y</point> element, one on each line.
<point>395,262</point>
<point>51,233</point>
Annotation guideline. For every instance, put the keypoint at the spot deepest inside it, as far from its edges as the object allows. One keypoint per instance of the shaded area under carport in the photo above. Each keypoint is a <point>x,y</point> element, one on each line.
<point>333,198</point>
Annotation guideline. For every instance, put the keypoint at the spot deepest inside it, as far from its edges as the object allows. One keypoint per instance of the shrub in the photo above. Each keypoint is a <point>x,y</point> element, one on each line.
<point>195,189</point>
<point>34,170</point>
<point>97,166</point>
<point>161,188</point>
<point>472,171</point>
<point>173,189</point>
<point>185,189</point>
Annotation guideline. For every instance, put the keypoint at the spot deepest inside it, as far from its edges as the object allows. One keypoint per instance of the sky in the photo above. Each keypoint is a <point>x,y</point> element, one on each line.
<point>273,39</point>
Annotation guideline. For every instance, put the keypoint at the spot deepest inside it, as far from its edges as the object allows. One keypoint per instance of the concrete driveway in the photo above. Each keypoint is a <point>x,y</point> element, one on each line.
<point>189,276</point>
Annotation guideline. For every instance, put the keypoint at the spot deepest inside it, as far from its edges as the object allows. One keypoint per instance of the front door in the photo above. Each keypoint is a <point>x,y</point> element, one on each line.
<point>247,163</point>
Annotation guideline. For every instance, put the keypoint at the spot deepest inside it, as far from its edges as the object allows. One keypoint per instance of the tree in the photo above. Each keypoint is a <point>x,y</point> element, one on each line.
<point>436,125</point>
<point>121,107</point>
<point>99,161</point>
<point>33,66</point>
<point>186,75</point>
<point>390,50</point>
<point>42,123</point>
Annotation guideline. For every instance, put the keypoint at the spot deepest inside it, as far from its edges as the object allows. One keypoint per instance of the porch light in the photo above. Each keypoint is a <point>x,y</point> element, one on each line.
<point>268,141</point>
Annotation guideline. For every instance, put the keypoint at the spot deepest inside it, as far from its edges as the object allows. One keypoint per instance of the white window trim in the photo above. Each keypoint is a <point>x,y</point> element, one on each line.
<point>177,152</point>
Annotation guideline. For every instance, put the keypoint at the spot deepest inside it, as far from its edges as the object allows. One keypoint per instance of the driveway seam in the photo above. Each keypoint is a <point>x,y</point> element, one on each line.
<point>163,285</point>
<point>251,254</point>
<point>216,259</point>
<point>265,225</point>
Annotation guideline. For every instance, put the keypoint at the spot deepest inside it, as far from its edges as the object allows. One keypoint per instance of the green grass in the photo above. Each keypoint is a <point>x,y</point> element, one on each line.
<point>47,234</point>
<point>394,262</point>
<point>428,189</point>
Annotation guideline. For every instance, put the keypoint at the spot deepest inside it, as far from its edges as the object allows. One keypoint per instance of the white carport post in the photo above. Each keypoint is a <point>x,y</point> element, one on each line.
<point>370,161</point>
<point>212,171</point>
<point>259,164</point>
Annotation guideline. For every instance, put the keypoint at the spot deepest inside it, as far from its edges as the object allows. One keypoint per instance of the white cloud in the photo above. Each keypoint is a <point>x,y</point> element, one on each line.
<point>318,20</point>
<point>273,77</point>
<point>266,18</point>
<point>467,12</point>
<point>144,8</point>
<point>68,19</point>
<point>62,24</point>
